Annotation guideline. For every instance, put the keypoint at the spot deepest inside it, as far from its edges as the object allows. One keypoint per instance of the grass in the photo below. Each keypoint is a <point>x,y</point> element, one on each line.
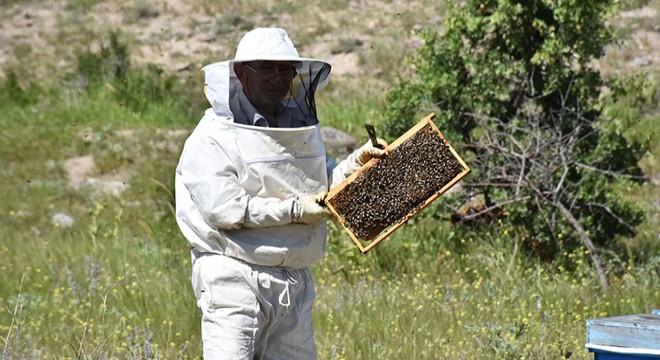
<point>494,307</point>
<point>116,284</point>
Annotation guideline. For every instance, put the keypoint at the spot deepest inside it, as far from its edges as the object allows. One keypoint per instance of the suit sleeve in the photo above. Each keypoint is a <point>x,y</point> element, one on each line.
<point>210,173</point>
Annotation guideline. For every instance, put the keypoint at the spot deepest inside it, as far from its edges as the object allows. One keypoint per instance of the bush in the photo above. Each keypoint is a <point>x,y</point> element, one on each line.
<point>135,88</point>
<point>513,88</point>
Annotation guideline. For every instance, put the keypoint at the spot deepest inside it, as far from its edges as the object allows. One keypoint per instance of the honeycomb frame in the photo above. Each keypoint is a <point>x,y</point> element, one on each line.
<point>366,243</point>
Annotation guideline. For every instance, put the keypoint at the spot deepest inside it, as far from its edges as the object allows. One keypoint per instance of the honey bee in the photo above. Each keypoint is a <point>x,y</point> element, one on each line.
<point>398,185</point>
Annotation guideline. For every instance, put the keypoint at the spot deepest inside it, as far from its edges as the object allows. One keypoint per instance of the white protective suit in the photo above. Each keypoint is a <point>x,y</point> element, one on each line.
<point>236,186</point>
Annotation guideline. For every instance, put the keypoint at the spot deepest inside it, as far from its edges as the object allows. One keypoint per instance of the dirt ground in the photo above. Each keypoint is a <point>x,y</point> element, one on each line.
<point>182,35</point>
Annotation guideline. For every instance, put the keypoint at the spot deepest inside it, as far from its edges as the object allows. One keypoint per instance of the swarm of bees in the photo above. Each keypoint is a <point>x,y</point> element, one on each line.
<point>397,185</point>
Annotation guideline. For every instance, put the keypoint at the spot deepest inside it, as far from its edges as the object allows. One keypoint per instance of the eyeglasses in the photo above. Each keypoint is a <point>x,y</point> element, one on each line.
<point>270,71</point>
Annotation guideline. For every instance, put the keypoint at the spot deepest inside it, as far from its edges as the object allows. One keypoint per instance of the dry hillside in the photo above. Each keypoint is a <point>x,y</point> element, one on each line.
<point>362,39</point>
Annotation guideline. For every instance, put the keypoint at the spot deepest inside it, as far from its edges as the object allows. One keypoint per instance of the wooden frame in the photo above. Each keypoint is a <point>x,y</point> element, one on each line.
<point>364,248</point>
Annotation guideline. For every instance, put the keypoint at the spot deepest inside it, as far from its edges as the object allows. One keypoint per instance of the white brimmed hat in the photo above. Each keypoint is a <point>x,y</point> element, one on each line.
<point>268,44</point>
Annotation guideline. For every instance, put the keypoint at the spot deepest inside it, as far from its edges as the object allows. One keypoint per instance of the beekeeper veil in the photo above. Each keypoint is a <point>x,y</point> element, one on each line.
<point>222,84</point>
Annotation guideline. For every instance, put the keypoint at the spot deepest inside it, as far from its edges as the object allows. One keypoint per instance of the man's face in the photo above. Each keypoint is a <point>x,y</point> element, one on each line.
<point>266,83</point>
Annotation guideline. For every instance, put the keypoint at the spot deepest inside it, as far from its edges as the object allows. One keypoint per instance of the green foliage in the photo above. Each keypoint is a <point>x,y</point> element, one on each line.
<point>346,45</point>
<point>496,53</point>
<point>230,21</point>
<point>12,92</point>
<point>81,5</point>
<point>630,111</point>
<point>402,104</point>
<point>512,80</point>
<point>136,89</point>
<point>15,94</point>
<point>348,110</point>
<point>141,10</point>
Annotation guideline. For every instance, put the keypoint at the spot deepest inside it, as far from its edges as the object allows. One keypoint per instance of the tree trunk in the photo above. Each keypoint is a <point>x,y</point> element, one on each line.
<point>595,259</point>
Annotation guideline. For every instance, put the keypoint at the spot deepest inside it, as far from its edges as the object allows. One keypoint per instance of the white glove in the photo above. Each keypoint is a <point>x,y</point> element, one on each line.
<point>308,209</point>
<point>368,151</point>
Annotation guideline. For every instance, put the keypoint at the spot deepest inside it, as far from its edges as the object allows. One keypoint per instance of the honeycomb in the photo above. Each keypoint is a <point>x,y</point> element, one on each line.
<point>396,187</point>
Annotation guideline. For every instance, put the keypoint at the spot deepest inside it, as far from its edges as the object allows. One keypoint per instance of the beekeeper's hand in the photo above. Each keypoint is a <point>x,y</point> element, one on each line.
<point>308,209</point>
<point>368,151</point>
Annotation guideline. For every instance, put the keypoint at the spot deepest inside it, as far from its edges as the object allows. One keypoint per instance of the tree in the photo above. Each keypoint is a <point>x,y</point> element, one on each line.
<point>512,84</point>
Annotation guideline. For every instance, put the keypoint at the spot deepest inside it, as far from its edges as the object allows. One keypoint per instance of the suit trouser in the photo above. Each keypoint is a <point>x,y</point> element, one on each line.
<point>253,312</point>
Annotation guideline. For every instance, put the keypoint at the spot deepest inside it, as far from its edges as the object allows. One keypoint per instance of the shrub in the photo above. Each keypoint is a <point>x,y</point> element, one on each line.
<point>135,88</point>
<point>513,88</point>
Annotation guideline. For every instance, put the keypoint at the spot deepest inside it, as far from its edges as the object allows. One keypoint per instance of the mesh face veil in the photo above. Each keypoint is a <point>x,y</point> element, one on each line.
<point>268,44</point>
<point>306,84</point>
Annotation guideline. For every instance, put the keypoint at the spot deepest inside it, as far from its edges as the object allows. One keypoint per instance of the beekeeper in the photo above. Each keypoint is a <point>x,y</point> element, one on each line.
<point>249,187</point>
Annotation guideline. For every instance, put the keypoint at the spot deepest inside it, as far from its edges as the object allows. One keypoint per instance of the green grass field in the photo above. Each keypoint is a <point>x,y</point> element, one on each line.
<point>115,284</point>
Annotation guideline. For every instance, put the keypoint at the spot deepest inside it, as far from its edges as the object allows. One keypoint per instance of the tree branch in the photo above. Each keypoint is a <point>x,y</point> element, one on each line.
<point>491,208</point>
<point>607,172</point>
<point>612,214</point>
<point>595,259</point>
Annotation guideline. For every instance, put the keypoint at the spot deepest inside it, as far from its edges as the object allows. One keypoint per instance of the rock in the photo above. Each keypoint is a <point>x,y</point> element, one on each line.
<point>644,12</point>
<point>87,135</point>
<point>79,168</point>
<point>641,61</point>
<point>80,171</point>
<point>338,144</point>
<point>62,220</point>
<point>111,187</point>
<point>51,164</point>
<point>414,43</point>
<point>345,64</point>
<point>655,179</point>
